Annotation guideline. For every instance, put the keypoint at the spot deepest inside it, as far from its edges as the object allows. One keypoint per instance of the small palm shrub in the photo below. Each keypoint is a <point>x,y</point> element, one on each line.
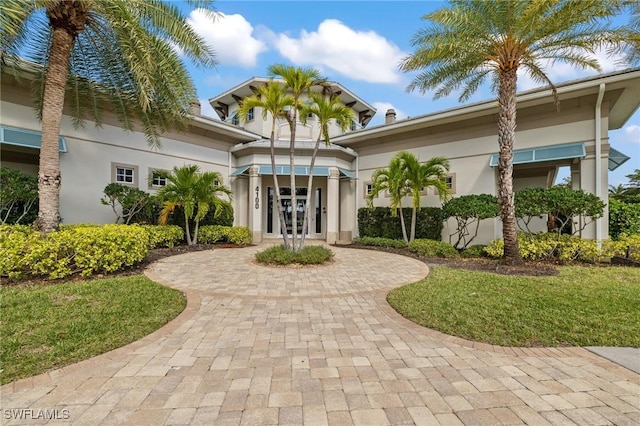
<point>310,255</point>
<point>432,248</point>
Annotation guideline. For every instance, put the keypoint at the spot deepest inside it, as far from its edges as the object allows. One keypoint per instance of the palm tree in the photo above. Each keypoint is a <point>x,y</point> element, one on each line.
<point>632,48</point>
<point>298,81</point>
<point>471,40</point>
<point>120,53</point>
<point>196,192</point>
<point>273,100</point>
<point>325,109</point>
<point>420,176</point>
<point>393,180</point>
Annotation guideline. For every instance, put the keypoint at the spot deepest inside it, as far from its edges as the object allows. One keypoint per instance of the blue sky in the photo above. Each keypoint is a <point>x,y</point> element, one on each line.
<point>357,43</point>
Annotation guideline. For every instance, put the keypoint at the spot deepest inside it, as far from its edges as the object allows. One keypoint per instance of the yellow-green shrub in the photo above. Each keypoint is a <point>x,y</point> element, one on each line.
<point>225,234</point>
<point>564,248</point>
<point>84,249</point>
<point>432,248</point>
<point>163,235</point>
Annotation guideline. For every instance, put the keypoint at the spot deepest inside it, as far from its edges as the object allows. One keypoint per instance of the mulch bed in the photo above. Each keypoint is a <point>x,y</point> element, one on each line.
<point>472,264</point>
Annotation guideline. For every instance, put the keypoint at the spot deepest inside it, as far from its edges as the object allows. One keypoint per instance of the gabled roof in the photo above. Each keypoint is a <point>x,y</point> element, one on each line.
<point>221,102</point>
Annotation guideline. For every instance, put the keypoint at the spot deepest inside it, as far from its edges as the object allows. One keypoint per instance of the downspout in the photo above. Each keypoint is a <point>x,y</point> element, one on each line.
<point>356,233</point>
<point>598,139</point>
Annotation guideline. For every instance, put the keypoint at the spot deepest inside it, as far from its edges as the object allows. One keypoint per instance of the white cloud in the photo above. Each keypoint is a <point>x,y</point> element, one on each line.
<point>632,133</point>
<point>560,72</point>
<point>381,110</point>
<point>360,55</point>
<point>231,36</point>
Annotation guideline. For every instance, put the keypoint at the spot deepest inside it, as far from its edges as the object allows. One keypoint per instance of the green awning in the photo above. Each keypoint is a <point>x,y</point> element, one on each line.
<point>25,138</point>
<point>545,153</point>
<point>283,170</point>
<point>616,159</point>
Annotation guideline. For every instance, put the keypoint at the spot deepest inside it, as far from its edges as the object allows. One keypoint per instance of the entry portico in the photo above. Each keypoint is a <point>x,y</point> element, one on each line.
<point>333,193</point>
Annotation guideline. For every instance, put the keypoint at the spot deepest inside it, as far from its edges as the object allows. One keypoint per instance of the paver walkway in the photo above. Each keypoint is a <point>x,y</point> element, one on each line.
<point>259,345</point>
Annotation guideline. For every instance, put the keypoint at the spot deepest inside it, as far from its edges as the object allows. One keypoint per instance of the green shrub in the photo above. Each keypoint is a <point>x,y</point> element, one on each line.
<point>626,246</point>
<point>469,211</point>
<point>84,249</point>
<point>624,218</point>
<point>125,201</point>
<point>163,235</point>
<point>378,222</point>
<point>380,242</point>
<point>476,250</point>
<point>310,255</point>
<point>554,247</point>
<point>18,196</point>
<point>432,248</point>
<point>211,234</point>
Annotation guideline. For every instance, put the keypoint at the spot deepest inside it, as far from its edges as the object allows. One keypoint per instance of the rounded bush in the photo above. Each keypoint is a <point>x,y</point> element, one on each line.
<point>163,235</point>
<point>310,255</point>
<point>432,248</point>
<point>476,250</point>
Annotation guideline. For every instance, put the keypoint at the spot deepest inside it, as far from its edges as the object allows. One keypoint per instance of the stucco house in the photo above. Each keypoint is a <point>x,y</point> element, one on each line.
<point>576,136</point>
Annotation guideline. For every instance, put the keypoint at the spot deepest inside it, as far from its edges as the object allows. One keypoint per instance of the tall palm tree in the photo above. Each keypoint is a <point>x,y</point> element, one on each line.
<point>393,180</point>
<point>420,176</point>
<point>274,101</point>
<point>470,40</point>
<point>298,81</point>
<point>120,53</point>
<point>196,192</point>
<point>325,109</point>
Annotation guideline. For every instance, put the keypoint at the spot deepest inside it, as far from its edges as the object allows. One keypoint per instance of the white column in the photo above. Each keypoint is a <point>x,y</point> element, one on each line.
<point>256,202</point>
<point>241,198</point>
<point>347,212</point>
<point>333,205</point>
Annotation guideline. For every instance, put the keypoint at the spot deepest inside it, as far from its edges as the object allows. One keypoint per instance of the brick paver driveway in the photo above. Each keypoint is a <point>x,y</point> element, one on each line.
<point>319,345</point>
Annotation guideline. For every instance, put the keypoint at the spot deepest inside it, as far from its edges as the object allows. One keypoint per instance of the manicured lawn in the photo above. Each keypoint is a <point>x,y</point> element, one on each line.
<point>582,306</point>
<point>50,326</point>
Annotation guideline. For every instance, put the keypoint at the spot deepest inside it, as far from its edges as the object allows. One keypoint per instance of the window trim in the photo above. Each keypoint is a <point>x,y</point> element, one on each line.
<point>150,184</point>
<point>365,190</point>
<point>114,168</point>
<point>452,176</point>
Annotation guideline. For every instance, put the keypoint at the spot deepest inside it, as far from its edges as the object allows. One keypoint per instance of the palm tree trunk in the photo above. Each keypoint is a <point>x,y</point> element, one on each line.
<point>49,178</point>
<point>187,230</point>
<point>195,232</point>
<point>403,226</point>
<point>294,198</point>
<point>506,138</point>
<point>276,187</point>
<point>309,189</point>
<point>413,224</point>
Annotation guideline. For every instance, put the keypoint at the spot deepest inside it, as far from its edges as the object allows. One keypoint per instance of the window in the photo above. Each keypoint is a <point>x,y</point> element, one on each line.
<point>250,114</point>
<point>368,188</point>
<point>125,174</point>
<point>235,120</point>
<point>338,123</point>
<point>450,180</point>
<point>155,180</point>
<point>352,126</point>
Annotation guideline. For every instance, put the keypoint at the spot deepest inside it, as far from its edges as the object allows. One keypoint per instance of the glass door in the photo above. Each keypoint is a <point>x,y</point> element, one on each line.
<point>287,208</point>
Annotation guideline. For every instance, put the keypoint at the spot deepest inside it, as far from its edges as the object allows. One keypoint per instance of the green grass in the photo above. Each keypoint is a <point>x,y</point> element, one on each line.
<point>50,326</point>
<point>582,306</point>
<point>310,255</point>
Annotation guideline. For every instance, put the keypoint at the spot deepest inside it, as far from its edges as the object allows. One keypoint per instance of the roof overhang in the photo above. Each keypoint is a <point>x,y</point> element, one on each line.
<point>624,84</point>
<point>544,153</point>
<point>221,102</point>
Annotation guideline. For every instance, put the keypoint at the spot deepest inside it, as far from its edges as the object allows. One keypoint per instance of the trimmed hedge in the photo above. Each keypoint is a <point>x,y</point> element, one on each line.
<point>568,248</point>
<point>210,234</point>
<point>380,242</point>
<point>84,249</point>
<point>432,248</point>
<point>163,235</point>
<point>624,218</point>
<point>378,222</point>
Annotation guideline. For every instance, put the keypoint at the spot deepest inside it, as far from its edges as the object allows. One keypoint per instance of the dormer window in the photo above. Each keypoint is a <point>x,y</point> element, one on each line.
<point>235,120</point>
<point>250,114</point>
<point>352,126</point>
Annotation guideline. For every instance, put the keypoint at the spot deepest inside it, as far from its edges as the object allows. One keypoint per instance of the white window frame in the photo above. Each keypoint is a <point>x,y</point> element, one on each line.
<point>152,178</point>
<point>124,167</point>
